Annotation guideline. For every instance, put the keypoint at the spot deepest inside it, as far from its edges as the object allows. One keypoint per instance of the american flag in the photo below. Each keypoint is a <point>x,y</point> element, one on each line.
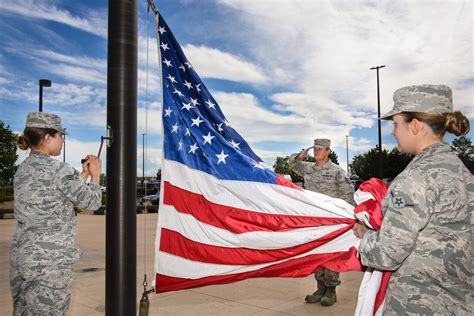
<point>224,216</point>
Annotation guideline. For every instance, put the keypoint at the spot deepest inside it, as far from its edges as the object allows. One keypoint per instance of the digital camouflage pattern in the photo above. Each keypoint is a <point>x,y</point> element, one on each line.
<point>322,143</point>
<point>426,236</point>
<point>41,290</point>
<point>422,98</point>
<point>43,248</point>
<point>329,179</point>
<point>45,120</point>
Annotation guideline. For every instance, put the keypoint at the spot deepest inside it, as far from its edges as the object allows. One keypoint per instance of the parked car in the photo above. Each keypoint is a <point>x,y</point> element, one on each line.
<point>154,199</point>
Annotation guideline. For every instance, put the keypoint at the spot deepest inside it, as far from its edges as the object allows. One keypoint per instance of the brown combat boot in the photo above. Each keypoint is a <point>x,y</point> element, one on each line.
<point>329,297</point>
<point>316,296</point>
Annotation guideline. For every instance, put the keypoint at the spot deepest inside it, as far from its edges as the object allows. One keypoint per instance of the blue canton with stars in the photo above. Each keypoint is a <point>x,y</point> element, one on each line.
<point>196,132</point>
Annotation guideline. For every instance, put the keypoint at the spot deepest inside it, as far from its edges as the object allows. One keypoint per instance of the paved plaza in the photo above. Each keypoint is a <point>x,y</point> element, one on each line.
<point>264,296</point>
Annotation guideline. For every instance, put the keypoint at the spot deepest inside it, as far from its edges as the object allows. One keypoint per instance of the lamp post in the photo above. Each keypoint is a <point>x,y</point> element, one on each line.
<point>347,154</point>
<point>64,148</point>
<point>378,121</point>
<point>42,83</point>
<point>143,164</point>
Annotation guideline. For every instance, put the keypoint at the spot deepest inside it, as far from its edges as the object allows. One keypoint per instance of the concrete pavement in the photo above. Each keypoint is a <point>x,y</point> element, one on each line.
<point>264,296</point>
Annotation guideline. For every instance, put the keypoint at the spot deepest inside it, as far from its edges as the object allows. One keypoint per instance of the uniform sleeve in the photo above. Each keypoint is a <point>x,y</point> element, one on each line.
<point>82,195</point>
<point>406,213</point>
<point>345,188</point>
<point>297,165</point>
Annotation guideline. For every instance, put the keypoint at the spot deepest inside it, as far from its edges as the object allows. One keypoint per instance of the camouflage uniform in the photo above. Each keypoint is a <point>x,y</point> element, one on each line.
<point>425,238</point>
<point>43,248</point>
<point>329,179</point>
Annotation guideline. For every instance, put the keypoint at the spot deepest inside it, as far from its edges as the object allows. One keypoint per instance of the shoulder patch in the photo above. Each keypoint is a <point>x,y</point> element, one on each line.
<point>398,201</point>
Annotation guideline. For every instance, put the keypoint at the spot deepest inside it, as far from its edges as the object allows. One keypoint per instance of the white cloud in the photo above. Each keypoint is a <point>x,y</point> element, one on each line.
<point>95,23</point>
<point>326,48</point>
<point>214,63</point>
<point>360,144</point>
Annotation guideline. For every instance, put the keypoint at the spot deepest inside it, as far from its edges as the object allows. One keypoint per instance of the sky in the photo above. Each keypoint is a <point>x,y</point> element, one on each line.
<point>283,72</point>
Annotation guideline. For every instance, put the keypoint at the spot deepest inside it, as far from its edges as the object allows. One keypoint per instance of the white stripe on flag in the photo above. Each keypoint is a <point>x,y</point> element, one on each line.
<point>262,197</point>
<point>193,229</point>
<point>175,266</point>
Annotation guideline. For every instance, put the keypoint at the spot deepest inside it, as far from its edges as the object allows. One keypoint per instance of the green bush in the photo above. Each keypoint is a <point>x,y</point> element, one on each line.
<point>6,196</point>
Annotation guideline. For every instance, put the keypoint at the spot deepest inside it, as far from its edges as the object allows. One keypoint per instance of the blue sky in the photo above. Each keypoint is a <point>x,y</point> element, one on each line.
<point>283,72</point>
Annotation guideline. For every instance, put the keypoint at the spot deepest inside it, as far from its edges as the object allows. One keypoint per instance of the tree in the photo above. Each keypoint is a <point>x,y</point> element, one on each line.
<point>366,165</point>
<point>8,154</point>
<point>463,147</point>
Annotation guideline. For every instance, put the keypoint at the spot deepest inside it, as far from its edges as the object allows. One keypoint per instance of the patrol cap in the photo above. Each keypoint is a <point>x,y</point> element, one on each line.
<point>421,98</point>
<point>322,143</point>
<point>44,120</point>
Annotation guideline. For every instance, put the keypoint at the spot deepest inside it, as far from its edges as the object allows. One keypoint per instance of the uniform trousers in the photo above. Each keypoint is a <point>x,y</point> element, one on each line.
<point>41,289</point>
<point>328,277</point>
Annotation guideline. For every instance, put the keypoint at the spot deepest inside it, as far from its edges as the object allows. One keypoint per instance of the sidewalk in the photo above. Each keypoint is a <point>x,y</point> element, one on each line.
<point>265,296</point>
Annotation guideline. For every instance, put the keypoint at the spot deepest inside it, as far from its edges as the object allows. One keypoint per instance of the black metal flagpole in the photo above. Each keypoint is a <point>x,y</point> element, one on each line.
<point>121,218</point>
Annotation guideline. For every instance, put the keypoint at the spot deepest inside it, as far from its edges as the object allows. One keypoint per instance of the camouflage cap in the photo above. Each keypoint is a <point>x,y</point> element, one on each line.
<point>322,143</point>
<point>44,120</point>
<point>422,98</point>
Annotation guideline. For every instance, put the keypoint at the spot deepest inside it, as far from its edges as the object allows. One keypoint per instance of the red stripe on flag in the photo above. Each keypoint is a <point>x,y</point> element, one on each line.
<point>298,267</point>
<point>280,180</point>
<point>238,220</point>
<point>176,244</point>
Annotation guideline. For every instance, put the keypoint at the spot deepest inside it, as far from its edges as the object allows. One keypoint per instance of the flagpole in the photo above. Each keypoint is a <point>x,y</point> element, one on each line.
<point>152,6</point>
<point>121,218</point>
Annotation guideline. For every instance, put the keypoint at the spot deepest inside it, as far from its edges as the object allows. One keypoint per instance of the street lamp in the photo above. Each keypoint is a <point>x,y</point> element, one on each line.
<point>64,149</point>
<point>347,154</point>
<point>143,164</point>
<point>42,83</point>
<point>378,121</point>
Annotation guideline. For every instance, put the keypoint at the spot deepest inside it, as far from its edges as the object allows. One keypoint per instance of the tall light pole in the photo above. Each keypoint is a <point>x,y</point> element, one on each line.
<point>42,83</point>
<point>64,149</point>
<point>347,154</point>
<point>378,121</point>
<point>143,164</point>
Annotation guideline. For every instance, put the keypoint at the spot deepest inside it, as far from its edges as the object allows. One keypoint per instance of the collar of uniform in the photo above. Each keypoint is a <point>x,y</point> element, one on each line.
<point>37,154</point>
<point>325,166</point>
<point>430,150</point>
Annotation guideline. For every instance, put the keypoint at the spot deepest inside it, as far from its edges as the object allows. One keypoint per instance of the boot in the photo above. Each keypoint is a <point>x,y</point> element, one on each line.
<point>329,297</point>
<point>318,295</point>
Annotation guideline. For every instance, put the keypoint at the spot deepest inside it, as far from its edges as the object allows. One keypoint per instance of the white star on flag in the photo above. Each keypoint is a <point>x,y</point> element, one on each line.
<point>164,46</point>
<point>234,144</point>
<point>208,138</point>
<point>186,106</point>
<point>195,102</point>
<point>168,62</point>
<point>196,121</point>
<point>175,128</point>
<point>221,157</point>
<point>192,148</point>
<point>176,91</point>
<point>210,104</point>
<point>168,112</point>
<point>188,85</point>
<point>187,132</point>
<point>172,79</point>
